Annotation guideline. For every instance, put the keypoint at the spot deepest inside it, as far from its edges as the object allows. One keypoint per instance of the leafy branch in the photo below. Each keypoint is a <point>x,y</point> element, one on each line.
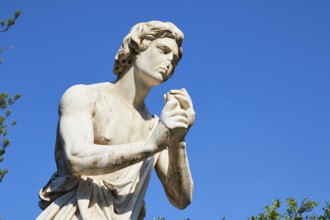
<point>293,211</point>
<point>6,24</point>
<point>5,102</point>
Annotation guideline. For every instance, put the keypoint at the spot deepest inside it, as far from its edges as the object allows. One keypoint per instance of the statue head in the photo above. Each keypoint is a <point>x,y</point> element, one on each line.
<point>140,37</point>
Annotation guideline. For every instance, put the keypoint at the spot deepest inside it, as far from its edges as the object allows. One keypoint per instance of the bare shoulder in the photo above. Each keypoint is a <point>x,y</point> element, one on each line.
<point>82,98</point>
<point>77,98</point>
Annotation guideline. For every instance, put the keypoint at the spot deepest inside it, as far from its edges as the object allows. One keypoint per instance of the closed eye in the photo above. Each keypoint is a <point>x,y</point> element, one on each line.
<point>162,49</point>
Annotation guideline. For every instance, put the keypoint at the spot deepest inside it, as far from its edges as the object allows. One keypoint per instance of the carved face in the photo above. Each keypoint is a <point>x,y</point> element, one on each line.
<point>157,63</point>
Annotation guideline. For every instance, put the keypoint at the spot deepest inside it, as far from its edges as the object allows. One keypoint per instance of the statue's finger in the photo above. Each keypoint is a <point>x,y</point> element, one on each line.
<point>179,118</point>
<point>185,103</point>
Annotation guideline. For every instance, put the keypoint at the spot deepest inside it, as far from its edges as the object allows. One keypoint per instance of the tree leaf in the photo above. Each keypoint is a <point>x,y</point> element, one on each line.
<point>8,112</point>
<point>17,14</point>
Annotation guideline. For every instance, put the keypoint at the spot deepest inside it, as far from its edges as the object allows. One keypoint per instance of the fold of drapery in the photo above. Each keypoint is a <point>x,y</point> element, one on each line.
<point>91,197</point>
<point>113,196</point>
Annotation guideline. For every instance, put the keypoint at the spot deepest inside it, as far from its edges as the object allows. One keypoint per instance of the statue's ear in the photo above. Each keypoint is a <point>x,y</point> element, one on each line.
<point>134,47</point>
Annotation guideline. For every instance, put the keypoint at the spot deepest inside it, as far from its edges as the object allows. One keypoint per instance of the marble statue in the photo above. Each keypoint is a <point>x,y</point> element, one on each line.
<point>108,143</point>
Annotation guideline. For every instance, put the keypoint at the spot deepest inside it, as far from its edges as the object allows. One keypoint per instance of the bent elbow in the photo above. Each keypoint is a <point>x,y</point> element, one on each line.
<point>184,204</point>
<point>66,162</point>
<point>73,165</point>
<point>182,201</point>
<point>186,198</point>
<point>180,197</point>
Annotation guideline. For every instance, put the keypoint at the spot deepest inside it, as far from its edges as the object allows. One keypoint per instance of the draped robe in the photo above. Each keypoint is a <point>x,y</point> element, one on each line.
<point>113,196</point>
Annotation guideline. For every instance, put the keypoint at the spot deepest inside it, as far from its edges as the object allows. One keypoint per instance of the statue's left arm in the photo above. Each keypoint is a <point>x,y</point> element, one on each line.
<point>173,170</point>
<point>172,166</point>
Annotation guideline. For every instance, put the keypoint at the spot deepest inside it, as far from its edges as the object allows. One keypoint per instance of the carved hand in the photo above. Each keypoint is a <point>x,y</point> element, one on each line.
<point>174,117</point>
<point>185,103</point>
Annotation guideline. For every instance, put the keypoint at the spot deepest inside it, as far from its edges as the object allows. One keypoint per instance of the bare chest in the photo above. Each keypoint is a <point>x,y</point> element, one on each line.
<point>115,122</point>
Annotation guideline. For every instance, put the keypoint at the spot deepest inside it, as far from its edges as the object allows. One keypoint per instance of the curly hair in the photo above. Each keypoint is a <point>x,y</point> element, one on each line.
<point>140,37</point>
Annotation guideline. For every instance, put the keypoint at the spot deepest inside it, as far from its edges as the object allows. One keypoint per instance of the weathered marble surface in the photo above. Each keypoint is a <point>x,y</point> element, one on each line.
<point>108,143</point>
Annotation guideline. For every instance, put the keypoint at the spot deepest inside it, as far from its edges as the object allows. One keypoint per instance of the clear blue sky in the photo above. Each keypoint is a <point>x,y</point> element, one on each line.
<point>258,73</point>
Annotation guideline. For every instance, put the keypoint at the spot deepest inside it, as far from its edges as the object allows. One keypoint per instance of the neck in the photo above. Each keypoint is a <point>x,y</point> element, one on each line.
<point>131,89</point>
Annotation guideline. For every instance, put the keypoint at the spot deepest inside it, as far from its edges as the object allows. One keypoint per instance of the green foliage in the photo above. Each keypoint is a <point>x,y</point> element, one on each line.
<point>5,102</point>
<point>162,218</point>
<point>7,23</point>
<point>326,211</point>
<point>293,211</point>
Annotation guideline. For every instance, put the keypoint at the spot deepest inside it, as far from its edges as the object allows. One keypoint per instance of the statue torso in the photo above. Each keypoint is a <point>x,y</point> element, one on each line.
<point>115,121</point>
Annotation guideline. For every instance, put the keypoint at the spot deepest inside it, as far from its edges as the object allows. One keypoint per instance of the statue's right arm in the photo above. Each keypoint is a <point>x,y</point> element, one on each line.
<point>76,133</point>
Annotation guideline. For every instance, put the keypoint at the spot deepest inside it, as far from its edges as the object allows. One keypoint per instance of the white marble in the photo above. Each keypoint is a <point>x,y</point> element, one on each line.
<point>108,143</point>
